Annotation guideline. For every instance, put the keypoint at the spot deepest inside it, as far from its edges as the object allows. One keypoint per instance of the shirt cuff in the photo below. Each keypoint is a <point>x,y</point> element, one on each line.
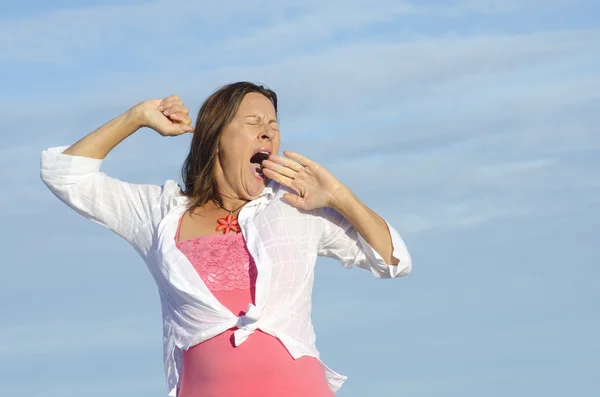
<point>399,251</point>
<point>57,166</point>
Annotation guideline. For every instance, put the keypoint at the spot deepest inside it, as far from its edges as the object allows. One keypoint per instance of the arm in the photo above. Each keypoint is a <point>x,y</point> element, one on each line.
<point>147,114</point>
<point>367,223</point>
<point>341,240</point>
<point>74,176</point>
<point>347,229</point>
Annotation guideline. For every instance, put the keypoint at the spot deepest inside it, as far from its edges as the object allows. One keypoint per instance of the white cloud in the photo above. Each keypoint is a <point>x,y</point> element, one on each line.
<point>148,28</point>
<point>66,34</point>
<point>357,77</point>
<point>321,23</point>
<point>158,25</point>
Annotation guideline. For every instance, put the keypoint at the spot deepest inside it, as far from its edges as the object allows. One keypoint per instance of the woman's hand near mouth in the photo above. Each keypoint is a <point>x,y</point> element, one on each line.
<point>315,186</point>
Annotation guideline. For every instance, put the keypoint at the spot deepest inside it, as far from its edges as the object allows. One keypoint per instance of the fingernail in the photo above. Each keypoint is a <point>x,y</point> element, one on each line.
<point>167,112</point>
<point>160,108</point>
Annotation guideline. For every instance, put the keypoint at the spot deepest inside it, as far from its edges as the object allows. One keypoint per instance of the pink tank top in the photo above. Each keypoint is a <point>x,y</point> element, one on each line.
<point>259,367</point>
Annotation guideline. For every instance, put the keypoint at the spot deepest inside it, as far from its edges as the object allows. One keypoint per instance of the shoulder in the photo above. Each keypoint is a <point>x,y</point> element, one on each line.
<point>170,196</point>
<point>171,189</point>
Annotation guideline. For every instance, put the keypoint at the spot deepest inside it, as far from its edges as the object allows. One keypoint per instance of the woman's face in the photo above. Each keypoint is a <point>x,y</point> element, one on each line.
<point>253,129</point>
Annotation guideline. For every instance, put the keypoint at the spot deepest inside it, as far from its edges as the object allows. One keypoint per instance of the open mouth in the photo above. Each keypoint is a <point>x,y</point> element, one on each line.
<point>256,162</point>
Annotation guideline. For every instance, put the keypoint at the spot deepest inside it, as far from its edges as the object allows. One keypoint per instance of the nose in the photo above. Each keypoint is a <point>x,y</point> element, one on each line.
<point>266,133</point>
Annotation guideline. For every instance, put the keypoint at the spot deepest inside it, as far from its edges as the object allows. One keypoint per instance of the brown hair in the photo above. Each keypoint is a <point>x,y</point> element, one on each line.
<point>198,172</point>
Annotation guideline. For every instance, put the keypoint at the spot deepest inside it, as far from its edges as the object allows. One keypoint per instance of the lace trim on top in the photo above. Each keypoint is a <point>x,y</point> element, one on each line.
<point>222,260</point>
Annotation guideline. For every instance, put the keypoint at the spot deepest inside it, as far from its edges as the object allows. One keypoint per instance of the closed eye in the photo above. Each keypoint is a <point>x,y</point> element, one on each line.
<point>273,124</point>
<point>256,118</point>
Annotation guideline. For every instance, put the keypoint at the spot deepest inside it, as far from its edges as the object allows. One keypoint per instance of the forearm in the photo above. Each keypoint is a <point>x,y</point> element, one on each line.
<point>367,223</point>
<point>100,142</point>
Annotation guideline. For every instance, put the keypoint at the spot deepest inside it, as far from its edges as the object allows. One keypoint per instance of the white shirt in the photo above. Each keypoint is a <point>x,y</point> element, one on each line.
<point>283,241</point>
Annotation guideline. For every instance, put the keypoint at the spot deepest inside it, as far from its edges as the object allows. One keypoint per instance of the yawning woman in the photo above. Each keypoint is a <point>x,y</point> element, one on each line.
<point>233,250</point>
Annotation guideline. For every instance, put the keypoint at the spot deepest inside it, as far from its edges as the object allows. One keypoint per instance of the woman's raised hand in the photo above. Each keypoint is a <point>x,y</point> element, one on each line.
<point>168,117</point>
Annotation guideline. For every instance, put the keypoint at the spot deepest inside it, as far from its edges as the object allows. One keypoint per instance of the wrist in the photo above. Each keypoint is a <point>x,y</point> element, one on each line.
<point>341,198</point>
<point>137,117</point>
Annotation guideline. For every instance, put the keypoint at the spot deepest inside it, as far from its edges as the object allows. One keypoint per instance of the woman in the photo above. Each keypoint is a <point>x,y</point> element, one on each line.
<point>233,252</point>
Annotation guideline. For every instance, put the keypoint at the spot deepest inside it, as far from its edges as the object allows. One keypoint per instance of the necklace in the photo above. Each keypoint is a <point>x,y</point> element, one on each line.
<point>228,223</point>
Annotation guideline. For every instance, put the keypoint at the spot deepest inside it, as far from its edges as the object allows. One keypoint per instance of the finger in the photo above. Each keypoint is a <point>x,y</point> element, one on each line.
<point>281,179</point>
<point>186,128</point>
<point>173,108</point>
<point>283,170</point>
<point>297,157</point>
<point>180,118</point>
<point>179,129</point>
<point>171,99</point>
<point>287,162</point>
<point>174,127</point>
<point>169,103</point>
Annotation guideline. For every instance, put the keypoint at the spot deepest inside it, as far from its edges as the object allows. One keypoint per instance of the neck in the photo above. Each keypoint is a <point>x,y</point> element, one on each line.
<point>231,203</point>
<point>226,194</point>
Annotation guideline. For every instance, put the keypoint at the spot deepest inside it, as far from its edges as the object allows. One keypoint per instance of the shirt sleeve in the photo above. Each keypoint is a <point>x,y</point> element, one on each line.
<point>119,206</point>
<point>339,240</point>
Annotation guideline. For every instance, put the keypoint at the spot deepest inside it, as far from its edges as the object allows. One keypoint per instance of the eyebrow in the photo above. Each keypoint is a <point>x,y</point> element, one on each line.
<point>260,118</point>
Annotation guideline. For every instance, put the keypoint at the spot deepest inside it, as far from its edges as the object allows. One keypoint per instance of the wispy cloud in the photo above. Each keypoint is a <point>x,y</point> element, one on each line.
<point>66,34</point>
<point>469,143</point>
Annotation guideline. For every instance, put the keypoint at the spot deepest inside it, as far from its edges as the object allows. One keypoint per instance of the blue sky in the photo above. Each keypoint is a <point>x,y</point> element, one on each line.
<point>471,126</point>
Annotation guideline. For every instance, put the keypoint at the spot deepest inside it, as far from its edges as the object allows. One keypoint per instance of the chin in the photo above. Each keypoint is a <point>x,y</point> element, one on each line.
<point>257,193</point>
<point>254,186</point>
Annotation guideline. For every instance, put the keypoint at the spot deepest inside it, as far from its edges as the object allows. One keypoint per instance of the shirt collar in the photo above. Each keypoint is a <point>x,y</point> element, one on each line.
<point>268,193</point>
